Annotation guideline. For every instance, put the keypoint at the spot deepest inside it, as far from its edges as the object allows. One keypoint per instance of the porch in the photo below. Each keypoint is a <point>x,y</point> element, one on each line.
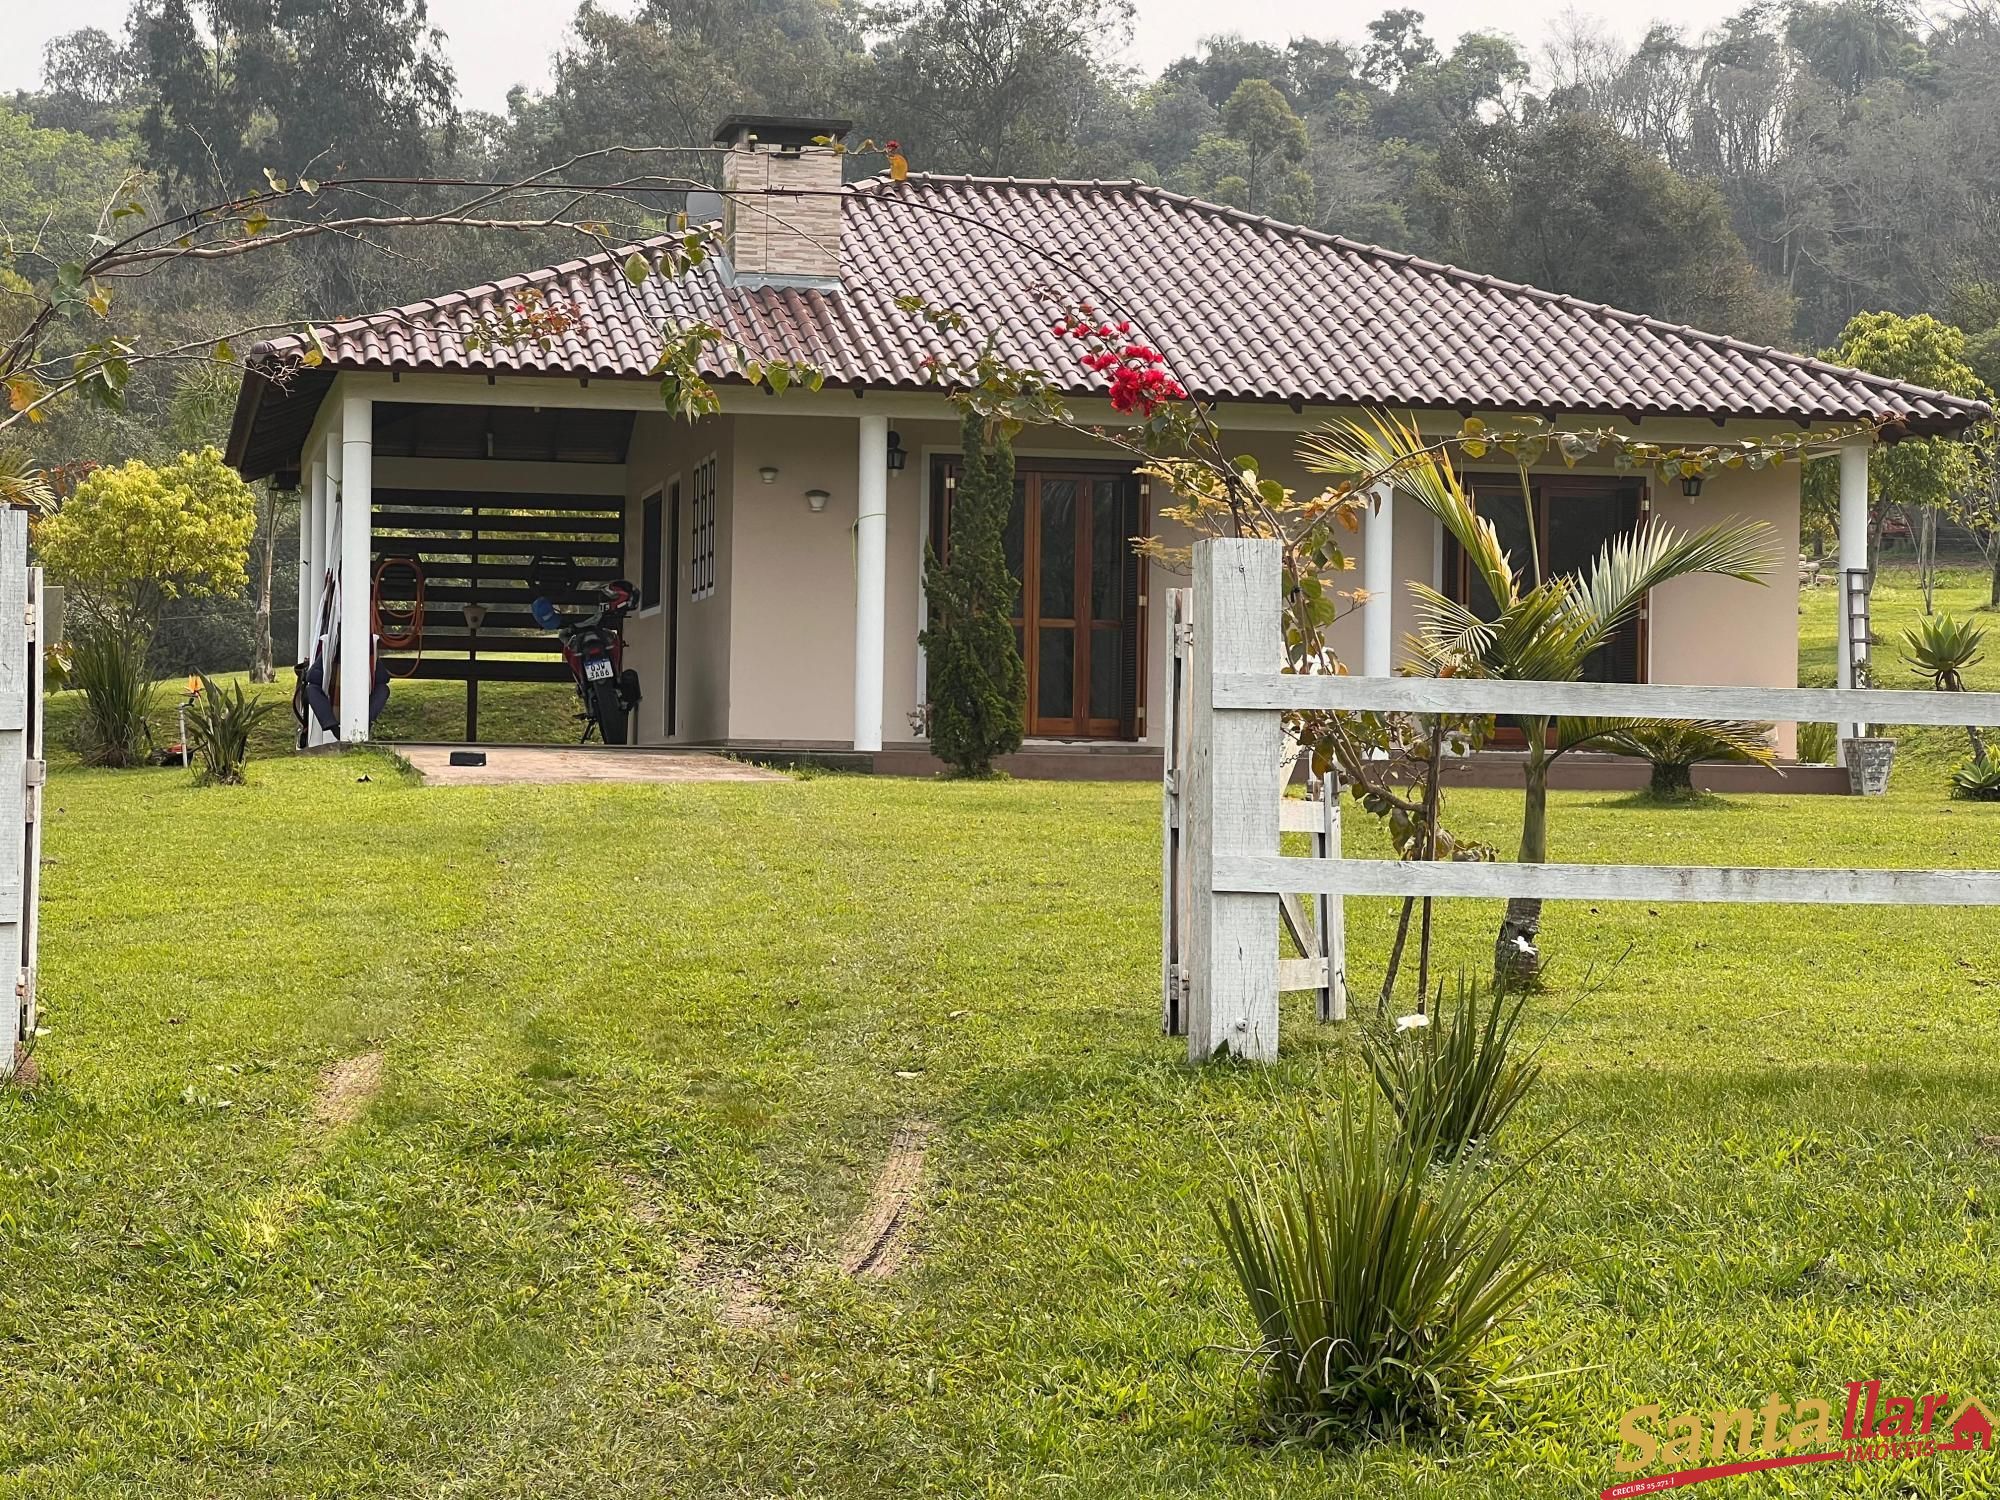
<point>778,556</point>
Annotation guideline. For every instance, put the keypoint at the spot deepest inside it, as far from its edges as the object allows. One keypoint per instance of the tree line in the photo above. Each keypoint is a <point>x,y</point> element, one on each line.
<point>1798,165</point>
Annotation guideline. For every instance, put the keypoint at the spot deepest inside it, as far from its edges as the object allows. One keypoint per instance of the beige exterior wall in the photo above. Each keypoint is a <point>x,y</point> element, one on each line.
<point>770,657</point>
<point>665,450</point>
<point>1723,632</point>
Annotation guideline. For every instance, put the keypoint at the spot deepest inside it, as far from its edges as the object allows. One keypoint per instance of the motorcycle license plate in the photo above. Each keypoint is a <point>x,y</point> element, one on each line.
<point>598,669</point>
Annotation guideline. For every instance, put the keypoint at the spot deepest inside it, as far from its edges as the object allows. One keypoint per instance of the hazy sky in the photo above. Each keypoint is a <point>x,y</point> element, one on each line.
<point>498,43</point>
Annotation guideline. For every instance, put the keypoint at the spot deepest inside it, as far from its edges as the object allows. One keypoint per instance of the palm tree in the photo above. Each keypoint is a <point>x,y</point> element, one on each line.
<point>22,485</point>
<point>1543,629</point>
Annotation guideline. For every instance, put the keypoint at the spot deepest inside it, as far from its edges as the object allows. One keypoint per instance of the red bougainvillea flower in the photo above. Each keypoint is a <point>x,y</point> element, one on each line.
<point>1134,371</point>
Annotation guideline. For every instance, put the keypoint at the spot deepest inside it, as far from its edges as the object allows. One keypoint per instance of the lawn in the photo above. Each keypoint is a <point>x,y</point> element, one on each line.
<point>510,713</point>
<point>1896,605</point>
<point>642,1050</point>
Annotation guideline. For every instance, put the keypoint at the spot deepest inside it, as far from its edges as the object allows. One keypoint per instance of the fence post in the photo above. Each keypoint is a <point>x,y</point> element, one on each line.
<point>1230,803</point>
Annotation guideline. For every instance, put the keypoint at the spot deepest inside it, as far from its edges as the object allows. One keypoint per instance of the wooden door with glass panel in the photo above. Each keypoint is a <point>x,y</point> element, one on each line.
<point>1077,611</point>
<point>1559,526</point>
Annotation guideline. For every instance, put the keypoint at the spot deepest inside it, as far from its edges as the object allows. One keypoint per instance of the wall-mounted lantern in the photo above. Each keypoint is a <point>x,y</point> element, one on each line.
<point>898,455</point>
<point>1691,485</point>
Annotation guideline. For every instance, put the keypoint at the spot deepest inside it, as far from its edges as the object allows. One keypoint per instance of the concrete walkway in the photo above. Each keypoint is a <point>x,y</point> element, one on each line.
<point>549,765</point>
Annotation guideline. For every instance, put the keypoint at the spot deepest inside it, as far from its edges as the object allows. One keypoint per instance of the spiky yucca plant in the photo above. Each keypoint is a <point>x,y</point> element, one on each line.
<point>1382,1286</point>
<point>1455,1077</point>
<point>110,671</point>
<point>1819,744</point>
<point>1546,628</point>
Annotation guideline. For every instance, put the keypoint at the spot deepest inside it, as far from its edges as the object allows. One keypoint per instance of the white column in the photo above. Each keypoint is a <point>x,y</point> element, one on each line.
<point>311,498</point>
<point>1378,577</point>
<point>871,581</point>
<point>357,443</point>
<point>1853,559</point>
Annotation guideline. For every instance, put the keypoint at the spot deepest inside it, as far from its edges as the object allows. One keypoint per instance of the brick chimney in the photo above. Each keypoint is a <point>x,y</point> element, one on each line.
<point>781,204</point>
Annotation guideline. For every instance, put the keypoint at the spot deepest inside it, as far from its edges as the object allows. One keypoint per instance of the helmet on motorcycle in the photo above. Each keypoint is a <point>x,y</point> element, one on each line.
<point>619,593</point>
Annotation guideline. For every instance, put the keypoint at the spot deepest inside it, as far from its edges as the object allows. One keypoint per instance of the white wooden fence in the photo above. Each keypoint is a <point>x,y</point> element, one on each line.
<point>1319,933</point>
<point>1223,972</point>
<point>20,783</point>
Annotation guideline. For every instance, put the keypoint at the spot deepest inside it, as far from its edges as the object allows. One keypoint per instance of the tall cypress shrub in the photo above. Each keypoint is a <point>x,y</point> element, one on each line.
<point>978,686</point>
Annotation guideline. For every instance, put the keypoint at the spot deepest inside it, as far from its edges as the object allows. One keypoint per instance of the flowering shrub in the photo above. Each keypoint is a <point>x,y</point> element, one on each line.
<point>1136,372</point>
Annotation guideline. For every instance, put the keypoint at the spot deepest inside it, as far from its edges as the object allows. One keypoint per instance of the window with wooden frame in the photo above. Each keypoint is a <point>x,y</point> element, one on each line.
<point>1558,526</point>
<point>1079,613</point>
<point>701,530</point>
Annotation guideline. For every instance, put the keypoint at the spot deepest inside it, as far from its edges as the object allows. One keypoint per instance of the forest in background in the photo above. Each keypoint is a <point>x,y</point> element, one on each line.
<point>1797,165</point>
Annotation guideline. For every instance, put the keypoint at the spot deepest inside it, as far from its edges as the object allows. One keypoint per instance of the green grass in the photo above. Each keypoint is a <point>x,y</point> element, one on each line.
<point>637,1038</point>
<point>641,1043</point>
<point>1896,606</point>
<point>525,713</point>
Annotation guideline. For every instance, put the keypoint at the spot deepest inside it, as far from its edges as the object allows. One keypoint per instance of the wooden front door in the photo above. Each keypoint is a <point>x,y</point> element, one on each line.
<point>1077,611</point>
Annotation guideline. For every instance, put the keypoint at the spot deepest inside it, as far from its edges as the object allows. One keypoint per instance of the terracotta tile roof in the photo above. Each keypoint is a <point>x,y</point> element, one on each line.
<point>1244,308</point>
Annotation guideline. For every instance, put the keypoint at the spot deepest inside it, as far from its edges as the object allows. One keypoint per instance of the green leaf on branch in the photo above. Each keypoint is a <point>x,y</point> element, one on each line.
<point>637,268</point>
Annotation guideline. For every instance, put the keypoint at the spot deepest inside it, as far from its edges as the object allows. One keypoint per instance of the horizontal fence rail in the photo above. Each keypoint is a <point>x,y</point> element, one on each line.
<point>1272,691</point>
<point>1274,873</point>
<point>1227,861</point>
<point>1600,700</point>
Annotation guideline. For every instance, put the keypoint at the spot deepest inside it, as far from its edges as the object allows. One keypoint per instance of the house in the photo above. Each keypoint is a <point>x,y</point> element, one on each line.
<point>778,545</point>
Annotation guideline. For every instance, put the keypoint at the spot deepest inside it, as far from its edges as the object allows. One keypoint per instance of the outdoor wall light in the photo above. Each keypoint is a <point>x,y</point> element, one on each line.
<point>898,456</point>
<point>817,500</point>
<point>475,615</point>
<point>1691,485</point>
<point>769,473</point>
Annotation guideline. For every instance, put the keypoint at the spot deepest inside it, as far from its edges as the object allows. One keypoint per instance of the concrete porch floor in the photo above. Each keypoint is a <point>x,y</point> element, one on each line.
<point>549,765</point>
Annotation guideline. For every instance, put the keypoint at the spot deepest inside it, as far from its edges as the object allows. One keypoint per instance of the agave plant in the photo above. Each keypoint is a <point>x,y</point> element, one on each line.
<point>1382,1286</point>
<point>1674,747</point>
<point>1976,780</point>
<point>1544,630</point>
<point>1940,649</point>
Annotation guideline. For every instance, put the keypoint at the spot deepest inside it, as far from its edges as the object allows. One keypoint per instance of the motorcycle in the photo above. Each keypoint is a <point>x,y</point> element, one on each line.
<point>593,648</point>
